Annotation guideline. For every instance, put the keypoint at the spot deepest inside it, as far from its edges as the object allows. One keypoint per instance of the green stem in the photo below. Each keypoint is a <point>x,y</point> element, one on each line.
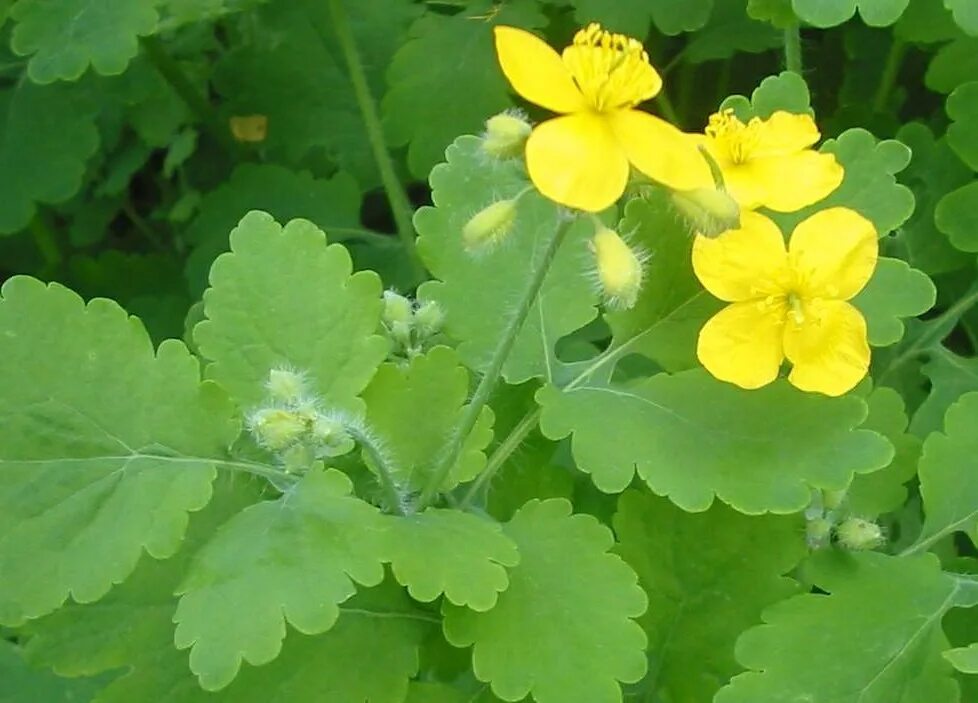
<point>255,469</point>
<point>46,242</point>
<point>142,226</point>
<point>198,104</point>
<point>488,381</point>
<point>792,48</point>
<point>937,330</point>
<point>382,465</point>
<point>666,107</point>
<point>509,445</point>
<point>891,70</point>
<point>400,205</point>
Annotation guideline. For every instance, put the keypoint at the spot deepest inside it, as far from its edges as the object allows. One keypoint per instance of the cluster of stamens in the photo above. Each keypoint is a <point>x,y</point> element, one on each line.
<point>732,137</point>
<point>611,70</point>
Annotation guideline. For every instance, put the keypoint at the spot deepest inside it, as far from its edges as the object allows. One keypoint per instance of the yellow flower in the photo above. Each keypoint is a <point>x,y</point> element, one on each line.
<point>788,303</point>
<point>581,158</point>
<point>768,163</point>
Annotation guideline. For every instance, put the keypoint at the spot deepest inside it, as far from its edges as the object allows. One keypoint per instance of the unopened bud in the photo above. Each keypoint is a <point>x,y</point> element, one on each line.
<point>401,332</point>
<point>709,211</point>
<point>833,499</point>
<point>332,437</point>
<point>857,534</point>
<point>619,268</point>
<point>397,308</point>
<point>506,134</point>
<point>429,318</point>
<point>276,428</point>
<point>490,225</point>
<point>285,385</point>
<point>817,532</point>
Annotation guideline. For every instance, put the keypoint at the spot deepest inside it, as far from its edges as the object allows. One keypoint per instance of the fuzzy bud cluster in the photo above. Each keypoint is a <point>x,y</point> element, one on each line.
<point>830,522</point>
<point>506,135</point>
<point>409,324</point>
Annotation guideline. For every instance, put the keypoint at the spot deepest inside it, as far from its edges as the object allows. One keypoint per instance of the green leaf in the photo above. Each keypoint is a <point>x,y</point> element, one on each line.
<point>829,13</point>
<point>786,91</point>
<point>563,630</point>
<point>48,135</point>
<point>883,491</point>
<point>933,172</point>
<point>728,32</point>
<point>946,474</point>
<point>962,134</point>
<point>106,446</point>
<point>951,376</point>
<point>964,659</point>
<point>965,14</point>
<point>63,38</point>
<point>708,576</point>
<point>692,437</point>
<point>296,558</point>
<point>957,216</point>
<point>475,290</point>
<point>470,83</point>
<point>20,683</point>
<point>870,186</point>
<point>532,472</point>
<point>925,22</point>
<point>632,17</point>
<point>451,552</point>
<point>895,291</point>
<point>777,12</point>
<point>322,323</point>
<point>813,647</point>
<point>332,204</point>
<point>413,410</point>
<point>954,64</point>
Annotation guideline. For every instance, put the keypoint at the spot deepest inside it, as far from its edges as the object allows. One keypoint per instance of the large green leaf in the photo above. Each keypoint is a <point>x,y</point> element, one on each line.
<point>708,576</point>
<point>20,683</point>
<point>451,552</point>
<point>829,13</point>
<point>895,291</point>
<point>692,437</point>
<point>954,64</point>
<point>957,217</point>
<point>63,38</point>
<point>477,291</point>
<point>965,14</point>
<point>451,57</point>
<point>962,135</point>
<point>283,298</point>
<point>413,410</point>
<point>105,446</point>
<point>871,640</point>
<point>632,17</point>
<point>728,32</point>
<point>296,559</point>
<point>48,135</point>
<point>562,631</point>
<point>946,472</point>
<point>951,376</point>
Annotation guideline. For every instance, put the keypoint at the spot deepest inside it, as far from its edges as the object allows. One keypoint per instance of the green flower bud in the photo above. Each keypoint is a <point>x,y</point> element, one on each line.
<point>276,428</point>
<point>709,211</point>
<point>506,135</point>
<point>331,436</point>
<point>397,308</point>
<point>490,225</point>
<point>619,267</point>
<point>285,385</point>
<point>429,318</point>
<point>857,534</point>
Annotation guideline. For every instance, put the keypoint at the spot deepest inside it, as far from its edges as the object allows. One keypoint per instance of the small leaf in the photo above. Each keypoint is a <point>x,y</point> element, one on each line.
<point>692,437</point>
<point>777,12</point>
<point>957,216</point>
<point>477,291</point>
<point>954,64</point>
<point>964,659</point>
<point>283,298</point>
<point>925,22</point>
<point>632,17</point>
<point>962,134</point>
<point>708,576</point>
<point>786,91</point>
<point>65,37</point>
<point>895,291</point>
<point>965,14</point>
<point>563,630</point>
<point>951,376</point>
<point>875,13</point>
<point>296,558</point>
<point>451,552</point>
<point>728,32</point>
<point>105,446</point>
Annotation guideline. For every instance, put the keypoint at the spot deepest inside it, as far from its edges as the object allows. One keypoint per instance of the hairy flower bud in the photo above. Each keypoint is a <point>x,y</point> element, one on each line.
<point>857,534</point>
<point>709,211</point>
<point>276,428</point>
<point>285,385</point>
<point>331,436</point>
<point>429,318</point>
<point>490,225</point>
<point>506,134</point>
<point>397,308</point>
<point>619,268</point>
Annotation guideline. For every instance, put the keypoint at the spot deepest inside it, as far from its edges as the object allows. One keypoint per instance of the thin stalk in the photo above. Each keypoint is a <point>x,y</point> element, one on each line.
<point>894,59</point>
<point>396,195</point>
<point>488,381</point>
<point>792,48</point>
<point>384,471</point>
<point>142,226</point>
<point>509,445</point>
<point>173,74</point>
<point>46,242</point>
<point>666,107</point>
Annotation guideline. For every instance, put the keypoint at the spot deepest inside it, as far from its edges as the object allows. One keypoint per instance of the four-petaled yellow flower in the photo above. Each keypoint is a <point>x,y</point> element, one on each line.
<point>581,158</point>
<point>788,302</point>
<point>769,163</point>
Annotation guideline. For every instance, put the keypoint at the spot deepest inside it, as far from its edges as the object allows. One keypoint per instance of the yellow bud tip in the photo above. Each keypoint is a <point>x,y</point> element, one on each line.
<point>249,128</point>
<point>709,211</point>
<point>285,385</point>
<point>397,308</point>
<point>490,225</point>
<point>276,428</point>
<point>506,134</point>
<point>619,268</point>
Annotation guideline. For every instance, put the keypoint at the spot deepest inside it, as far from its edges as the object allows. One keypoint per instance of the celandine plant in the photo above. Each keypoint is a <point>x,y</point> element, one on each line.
<point>639,415</point>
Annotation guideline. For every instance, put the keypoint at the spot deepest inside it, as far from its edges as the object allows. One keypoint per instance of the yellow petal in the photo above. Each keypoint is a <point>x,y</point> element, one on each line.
<point>786,183</point>
<point>536,71</point>
<point>574,160</point>
<point>743,343</point>
<point>783,133</point>
<point>659,150</point>
<point>749,263</point>
<point>828,350</point>
<point>833,253</point>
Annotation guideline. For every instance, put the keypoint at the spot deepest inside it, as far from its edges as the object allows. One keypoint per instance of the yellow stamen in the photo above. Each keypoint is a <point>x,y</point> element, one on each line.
<point>732,137</point>
<point>611,70</point>
<point>796,308</point>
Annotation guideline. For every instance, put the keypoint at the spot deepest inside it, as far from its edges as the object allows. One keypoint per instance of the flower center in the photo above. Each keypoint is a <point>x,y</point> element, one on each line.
<point>796,310</point>
<point>732,137</point>
<point>611,70</point>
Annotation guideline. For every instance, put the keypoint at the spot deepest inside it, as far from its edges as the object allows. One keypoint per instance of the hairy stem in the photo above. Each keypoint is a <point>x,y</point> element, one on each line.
<point>382,465</point>
<point>792,48</point>
<point>509,445</point>
<point>488,381</point>
<point>396,195</point>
